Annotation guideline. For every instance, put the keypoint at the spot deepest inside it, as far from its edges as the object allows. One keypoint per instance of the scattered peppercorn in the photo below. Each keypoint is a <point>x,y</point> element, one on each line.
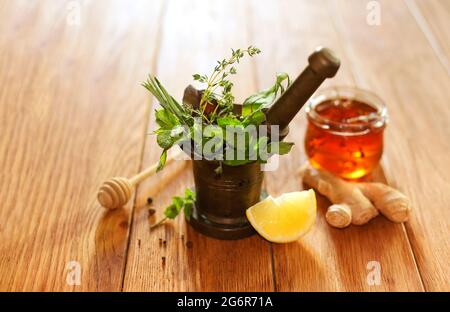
<point>151,212</point>
<point>189,244</point>
<point>149,200</point>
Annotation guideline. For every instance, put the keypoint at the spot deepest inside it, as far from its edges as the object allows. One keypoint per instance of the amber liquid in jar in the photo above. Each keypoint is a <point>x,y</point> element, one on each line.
<point>344,137</point>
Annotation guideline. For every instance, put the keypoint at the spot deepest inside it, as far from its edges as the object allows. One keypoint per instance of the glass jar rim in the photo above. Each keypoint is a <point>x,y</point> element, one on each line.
<point>377,119</point>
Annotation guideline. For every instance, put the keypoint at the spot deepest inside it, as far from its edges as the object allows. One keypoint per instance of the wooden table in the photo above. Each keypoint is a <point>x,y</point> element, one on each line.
<point>73,113</point>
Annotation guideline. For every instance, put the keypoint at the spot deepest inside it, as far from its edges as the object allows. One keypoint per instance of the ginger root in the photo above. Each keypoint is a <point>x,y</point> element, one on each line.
<point>340,192</point>
<point>356,203</point>
<point>392,204</point>
<point>339,215</point>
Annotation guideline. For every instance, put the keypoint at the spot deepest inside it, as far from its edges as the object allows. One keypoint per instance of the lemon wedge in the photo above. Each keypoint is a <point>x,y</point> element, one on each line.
<point>286,218</point>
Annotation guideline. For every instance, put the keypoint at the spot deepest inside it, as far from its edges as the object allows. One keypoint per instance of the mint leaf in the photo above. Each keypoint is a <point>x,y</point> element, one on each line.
<point>259,100</point>
<point>189,194</point>
<point>265,98</point>
<point>164,139</point>
<point>167,138</point>
<point>178,202</point>
<point>165,119</point>
<point>185,203</point>
<point>283,147</point>
<point>228,121</point>
<point>188,209</point>
<point>256,118</point>
<point>171,211</point>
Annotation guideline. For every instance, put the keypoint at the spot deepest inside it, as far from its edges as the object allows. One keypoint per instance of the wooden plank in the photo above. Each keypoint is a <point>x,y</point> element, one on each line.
<point>72,114</point>
<point>326,259</point>
<point>398,63</point>
<point>196,34</point>
<point>433,18</point>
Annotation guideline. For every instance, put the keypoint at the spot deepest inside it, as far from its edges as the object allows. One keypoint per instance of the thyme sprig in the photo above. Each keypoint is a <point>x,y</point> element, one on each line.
<point>222,104</point>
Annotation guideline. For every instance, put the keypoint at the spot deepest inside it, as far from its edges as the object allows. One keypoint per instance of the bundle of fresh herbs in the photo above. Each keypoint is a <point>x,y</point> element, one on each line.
<point>208,123</point>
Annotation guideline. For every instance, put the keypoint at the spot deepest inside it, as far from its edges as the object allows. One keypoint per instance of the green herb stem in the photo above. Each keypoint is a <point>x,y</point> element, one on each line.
<point>158,223</point>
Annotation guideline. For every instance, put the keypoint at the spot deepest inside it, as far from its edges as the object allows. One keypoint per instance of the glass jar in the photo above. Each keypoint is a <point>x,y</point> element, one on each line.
<point>345,131</point>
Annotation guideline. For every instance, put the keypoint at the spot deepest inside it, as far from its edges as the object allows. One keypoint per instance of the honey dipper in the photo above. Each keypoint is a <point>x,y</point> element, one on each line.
<point>116,192</point>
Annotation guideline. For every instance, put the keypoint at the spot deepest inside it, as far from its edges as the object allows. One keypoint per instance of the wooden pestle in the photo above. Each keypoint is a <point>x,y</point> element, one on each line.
<point>323,64</point>
<point>116,192</point>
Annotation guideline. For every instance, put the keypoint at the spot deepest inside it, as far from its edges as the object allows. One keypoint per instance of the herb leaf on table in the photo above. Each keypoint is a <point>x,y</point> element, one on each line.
<point>178,204</point>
